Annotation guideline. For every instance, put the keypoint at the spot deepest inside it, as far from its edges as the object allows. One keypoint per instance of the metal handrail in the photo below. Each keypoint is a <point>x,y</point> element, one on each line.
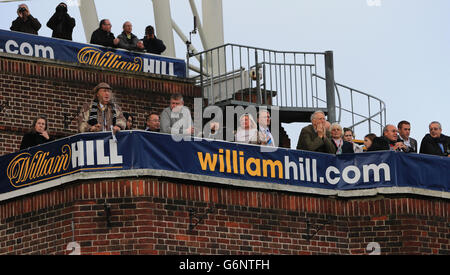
<point>370,118</point>
<point>286,78</point>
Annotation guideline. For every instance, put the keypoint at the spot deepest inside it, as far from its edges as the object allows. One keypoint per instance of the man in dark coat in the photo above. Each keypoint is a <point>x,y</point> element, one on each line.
<point>103,35</point>
<point>151,43</point>
<point>389,140</point>
<point>25,22</point>
<point>435,143</point>
<point>61,23</point>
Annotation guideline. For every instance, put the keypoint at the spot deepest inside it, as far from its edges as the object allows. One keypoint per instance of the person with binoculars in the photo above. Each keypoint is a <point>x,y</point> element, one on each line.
<point>25,22</point>
<point>61,23</point>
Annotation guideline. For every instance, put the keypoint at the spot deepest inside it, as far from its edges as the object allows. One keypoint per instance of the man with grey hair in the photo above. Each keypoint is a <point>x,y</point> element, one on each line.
<point>176,119</point>
<point>314,137</point>
<point>435,143</point>
<point>129,41</point>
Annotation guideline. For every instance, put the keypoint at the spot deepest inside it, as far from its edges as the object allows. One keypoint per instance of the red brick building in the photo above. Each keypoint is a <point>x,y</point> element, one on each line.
<point>159,215</point>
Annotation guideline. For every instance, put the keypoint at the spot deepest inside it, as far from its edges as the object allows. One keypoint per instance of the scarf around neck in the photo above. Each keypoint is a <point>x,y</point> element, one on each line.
<point>93,113</point>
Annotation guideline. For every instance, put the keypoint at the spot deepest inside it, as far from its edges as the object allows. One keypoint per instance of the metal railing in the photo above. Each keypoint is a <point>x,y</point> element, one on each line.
<point>283,79</point>
<point>234,71</point>
<point>364,113</point>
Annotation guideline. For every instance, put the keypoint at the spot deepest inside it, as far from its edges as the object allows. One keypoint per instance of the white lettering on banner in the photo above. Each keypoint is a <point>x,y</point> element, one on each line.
<point>347,170</point>
<point>94,155</point>
<point>27,49</point>
<point>336,171</point>
<point>158,67</point>
<point>376,172</point>
<point>229,162</point>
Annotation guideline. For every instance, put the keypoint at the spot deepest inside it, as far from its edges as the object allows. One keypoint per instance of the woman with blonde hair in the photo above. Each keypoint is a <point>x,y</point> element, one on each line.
<point>247,131</point>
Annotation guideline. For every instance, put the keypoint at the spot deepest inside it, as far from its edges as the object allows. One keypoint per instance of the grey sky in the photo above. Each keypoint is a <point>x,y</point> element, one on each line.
<point>397,51</point>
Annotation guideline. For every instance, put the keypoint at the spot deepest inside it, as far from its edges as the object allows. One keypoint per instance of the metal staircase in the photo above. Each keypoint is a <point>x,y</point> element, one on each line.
<point>299,83</point>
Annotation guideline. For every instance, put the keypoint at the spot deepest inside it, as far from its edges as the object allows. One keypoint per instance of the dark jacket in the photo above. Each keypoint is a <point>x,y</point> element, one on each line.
<point>412,148</point>
<point>150,130</point>
<point>382,144</point>
<point>128,44</point>
<point>347,147</point>
<point>31,26</point>
<point>310,141</point>
<point>103,38</point>
<point>154,45</point>
<point>62,25</point>
<point>32,139</point>
<point>430,145</point>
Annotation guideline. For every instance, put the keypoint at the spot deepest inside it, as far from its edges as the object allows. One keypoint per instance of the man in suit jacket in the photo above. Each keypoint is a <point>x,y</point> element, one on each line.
<point>404,130</point>
<point>314,137</point>
<point>264,131</point>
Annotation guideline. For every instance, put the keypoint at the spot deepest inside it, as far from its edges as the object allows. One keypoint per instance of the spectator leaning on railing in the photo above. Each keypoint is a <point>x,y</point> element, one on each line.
<point>101,113</point>
<point>103,35</point>
<point>389,140</point>
<point>152,123</point>
<point>152,44</point>
<point>25,22</point>
<point>37,135</point>
<point>435,143</point>
<point>315,137</point>
<point>176,119</point>
<point>368,140</point>
<point>129,41</point>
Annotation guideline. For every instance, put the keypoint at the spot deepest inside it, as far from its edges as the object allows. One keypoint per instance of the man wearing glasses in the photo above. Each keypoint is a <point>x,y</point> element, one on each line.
<point>103,35</point>
<point>435,143</point>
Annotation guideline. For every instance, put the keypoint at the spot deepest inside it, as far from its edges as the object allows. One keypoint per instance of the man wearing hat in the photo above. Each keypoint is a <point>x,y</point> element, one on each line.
<point>101,113</point>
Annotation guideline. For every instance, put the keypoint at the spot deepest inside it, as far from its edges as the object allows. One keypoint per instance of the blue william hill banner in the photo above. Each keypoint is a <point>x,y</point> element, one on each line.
<point>98,155</point>
<point>94,55</point>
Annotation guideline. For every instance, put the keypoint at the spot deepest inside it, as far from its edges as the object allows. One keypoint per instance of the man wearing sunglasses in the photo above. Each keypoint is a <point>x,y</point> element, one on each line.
<point>435,143</point>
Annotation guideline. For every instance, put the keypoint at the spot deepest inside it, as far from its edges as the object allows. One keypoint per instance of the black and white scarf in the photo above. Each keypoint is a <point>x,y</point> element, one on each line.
<point>93,113</point>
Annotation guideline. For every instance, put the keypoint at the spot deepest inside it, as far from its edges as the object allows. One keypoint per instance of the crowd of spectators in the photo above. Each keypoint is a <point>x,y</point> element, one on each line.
<point>103,114</point>
<point>62,25</point>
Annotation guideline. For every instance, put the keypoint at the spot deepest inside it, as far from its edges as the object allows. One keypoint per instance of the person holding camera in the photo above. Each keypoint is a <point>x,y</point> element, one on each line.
<point>61,23</point>
<point>25,22</point>
<point>151,43</point>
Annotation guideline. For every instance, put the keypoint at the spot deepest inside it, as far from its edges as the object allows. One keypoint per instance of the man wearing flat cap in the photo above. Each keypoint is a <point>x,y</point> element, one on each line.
<point>101,113</point>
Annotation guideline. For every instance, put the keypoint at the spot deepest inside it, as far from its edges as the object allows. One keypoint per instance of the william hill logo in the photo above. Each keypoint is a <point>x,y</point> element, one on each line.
<point>96,57</point>
<point>27,169</point>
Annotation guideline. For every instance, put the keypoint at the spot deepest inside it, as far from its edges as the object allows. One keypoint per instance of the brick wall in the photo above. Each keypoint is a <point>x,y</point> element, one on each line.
<point>151,216</point>
<point>29,87</point>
